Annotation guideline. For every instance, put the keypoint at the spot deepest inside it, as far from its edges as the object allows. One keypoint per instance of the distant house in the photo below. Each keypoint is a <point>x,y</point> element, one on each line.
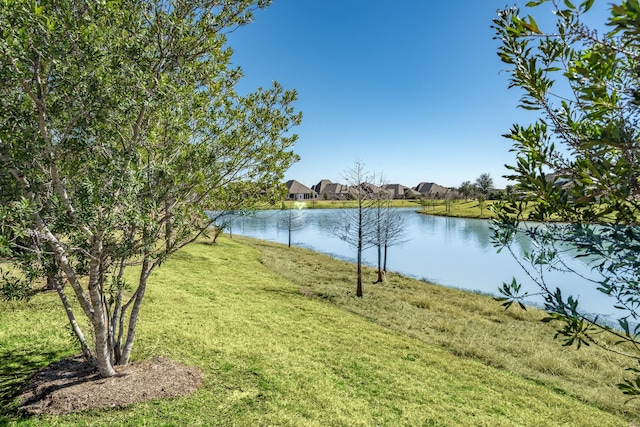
<point>370,190</point>
<point>321,187</point>
<point>328,190</point>
<point>299,191</point>
<point>396,191</point>
<point>432,190</point>
<point>410,193</point>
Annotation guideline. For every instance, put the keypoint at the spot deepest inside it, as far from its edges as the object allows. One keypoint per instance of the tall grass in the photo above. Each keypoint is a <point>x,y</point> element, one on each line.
<point>282,341</point>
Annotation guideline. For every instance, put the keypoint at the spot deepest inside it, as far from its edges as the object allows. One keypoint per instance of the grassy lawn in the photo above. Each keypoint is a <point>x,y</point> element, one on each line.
<point>469,325</point>
<point>458,208</point>
<point>283,341</point>
<point>340,204</point>
<point>472,209</point>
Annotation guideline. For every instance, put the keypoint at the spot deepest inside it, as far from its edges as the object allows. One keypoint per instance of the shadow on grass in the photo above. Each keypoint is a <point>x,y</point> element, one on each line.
<point>16,369</point>
<point>304,291</point>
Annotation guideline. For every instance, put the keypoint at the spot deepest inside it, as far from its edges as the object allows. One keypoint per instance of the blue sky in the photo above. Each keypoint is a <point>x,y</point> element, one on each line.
<point>413,88</point>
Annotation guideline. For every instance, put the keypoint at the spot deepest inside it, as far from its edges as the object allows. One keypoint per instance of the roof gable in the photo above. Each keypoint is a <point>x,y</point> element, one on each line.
<point>295,187</point>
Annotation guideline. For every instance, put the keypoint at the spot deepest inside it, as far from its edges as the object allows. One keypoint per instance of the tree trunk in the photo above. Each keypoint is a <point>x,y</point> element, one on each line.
<point>133,320</point>
<point>98,317</point>
<point>86,351</point>
<point>50,286</point>
<point>216,232</point>
<point>103,353</point>
<point>91,305</point>
<point>116,316</point>
<point>384,264</point>
<point>359,272</point>
<point>379,280</point>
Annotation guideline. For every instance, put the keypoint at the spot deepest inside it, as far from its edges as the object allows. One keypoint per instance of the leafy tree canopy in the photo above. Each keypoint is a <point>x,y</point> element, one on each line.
<point>119,127</point>
<point>484,185</point>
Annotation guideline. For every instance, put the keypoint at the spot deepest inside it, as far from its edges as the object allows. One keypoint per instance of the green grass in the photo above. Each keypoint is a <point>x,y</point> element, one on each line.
<point>340,204</point>
<point>467,324</point>
<point>458,208</point>
<point>472,209</point>
<point>283,341</point>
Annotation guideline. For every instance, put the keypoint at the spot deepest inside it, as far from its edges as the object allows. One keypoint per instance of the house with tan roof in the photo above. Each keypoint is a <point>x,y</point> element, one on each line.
<point>395,191</point>
<point>299,191</point>
<point>328,190</point>
<point>371,191</point>
<point>399,191</point>
<point>432,190</point>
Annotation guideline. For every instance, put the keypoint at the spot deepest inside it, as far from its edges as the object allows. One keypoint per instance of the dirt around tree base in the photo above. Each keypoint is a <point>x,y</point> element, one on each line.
<point>72,385</point>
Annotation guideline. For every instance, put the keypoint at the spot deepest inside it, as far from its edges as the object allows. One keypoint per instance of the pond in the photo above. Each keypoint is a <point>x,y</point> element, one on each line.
<point>453,252</point>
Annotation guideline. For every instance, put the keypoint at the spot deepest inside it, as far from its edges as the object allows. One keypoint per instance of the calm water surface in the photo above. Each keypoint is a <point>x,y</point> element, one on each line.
<point>454,252</point>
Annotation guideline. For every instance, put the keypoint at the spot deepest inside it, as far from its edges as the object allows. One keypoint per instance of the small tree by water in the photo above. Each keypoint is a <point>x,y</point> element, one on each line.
<point>388,230</point>
<point>290,219</point>
<point>357,225</point>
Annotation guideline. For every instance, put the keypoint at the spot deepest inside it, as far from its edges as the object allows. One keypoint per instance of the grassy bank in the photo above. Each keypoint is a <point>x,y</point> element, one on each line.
<point>467,324</point>
<point>341,204</point>
<point>458,208</point>
<point>453,208</point>
<point>282,341</point>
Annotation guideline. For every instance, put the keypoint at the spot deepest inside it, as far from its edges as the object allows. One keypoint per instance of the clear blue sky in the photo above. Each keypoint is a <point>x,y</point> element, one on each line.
<point>411,88</point>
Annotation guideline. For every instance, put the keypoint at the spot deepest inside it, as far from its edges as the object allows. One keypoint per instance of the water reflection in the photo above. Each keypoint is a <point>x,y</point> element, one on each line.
<point>454,252</point>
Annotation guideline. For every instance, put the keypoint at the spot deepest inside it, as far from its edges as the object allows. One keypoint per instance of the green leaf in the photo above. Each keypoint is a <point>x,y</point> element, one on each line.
<point>586,5</point>
<point>532,25</point>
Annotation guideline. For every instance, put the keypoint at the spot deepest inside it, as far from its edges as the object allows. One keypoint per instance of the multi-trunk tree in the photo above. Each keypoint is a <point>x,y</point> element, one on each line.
<point>388,228</point>
<point>577,164</point>
<point>372,223</point>
<point>119,127</point>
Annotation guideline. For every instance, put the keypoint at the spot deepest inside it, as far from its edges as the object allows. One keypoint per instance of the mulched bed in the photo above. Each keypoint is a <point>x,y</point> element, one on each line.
<point>72,385</point>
